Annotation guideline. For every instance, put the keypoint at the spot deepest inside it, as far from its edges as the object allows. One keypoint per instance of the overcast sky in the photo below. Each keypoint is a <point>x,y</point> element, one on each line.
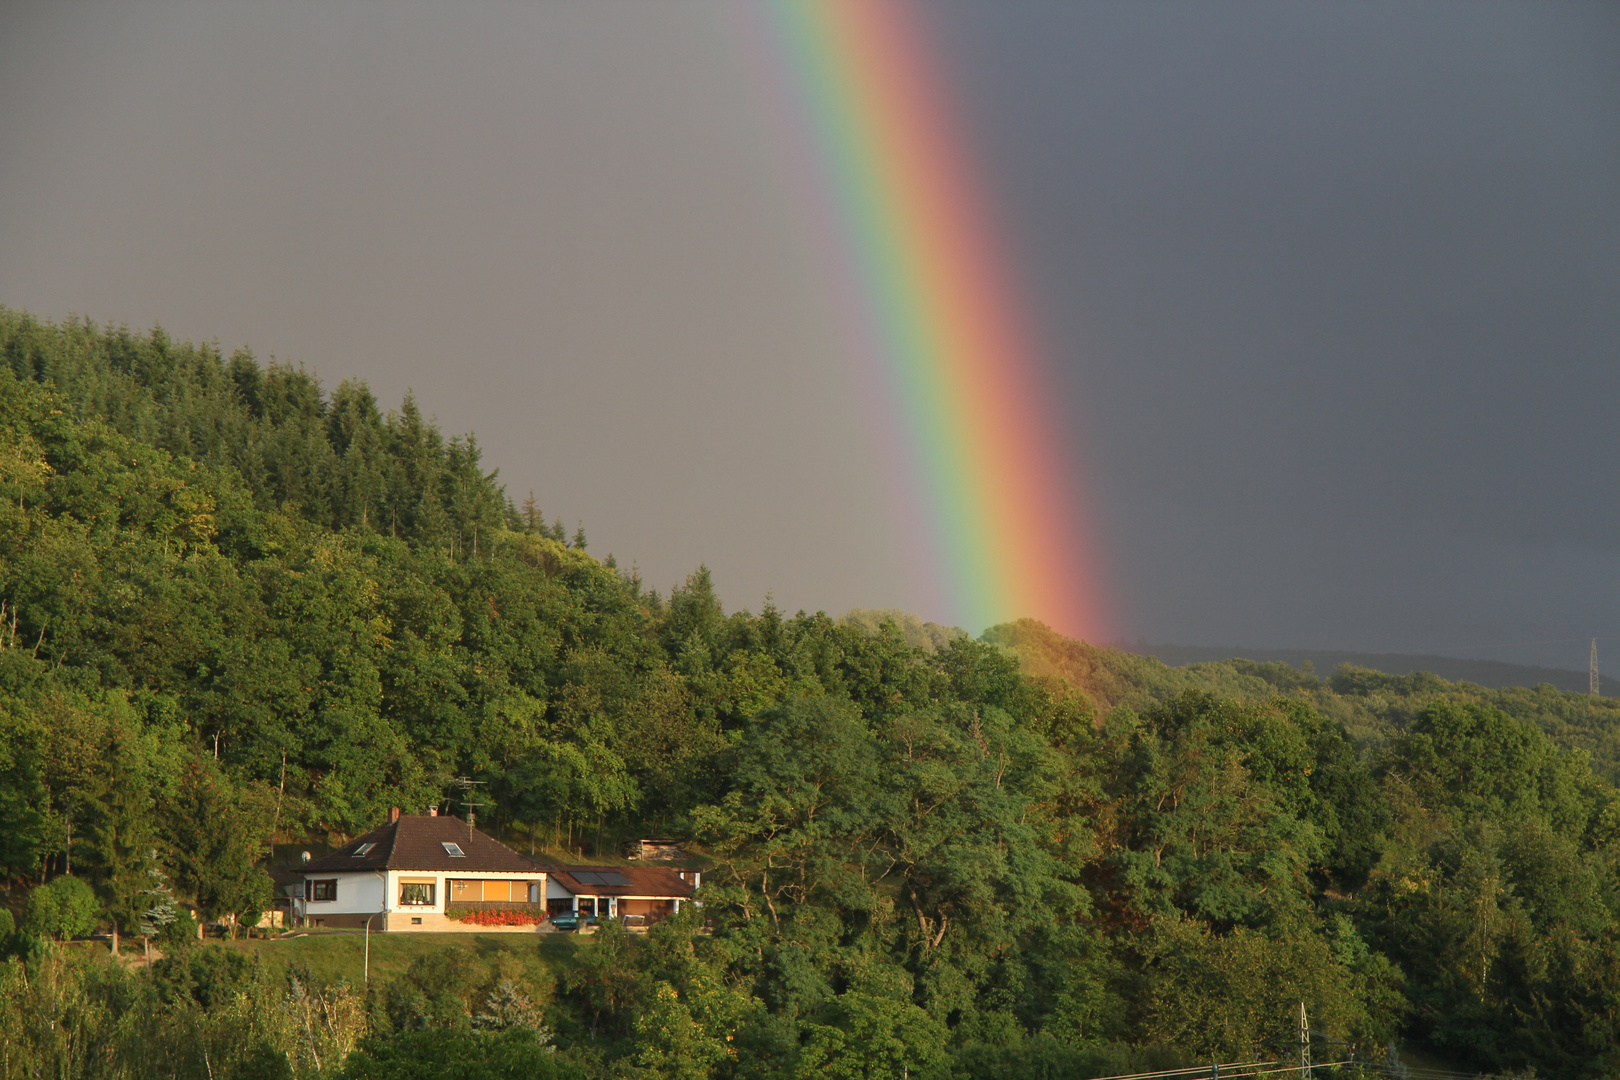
<point>1334,290</point>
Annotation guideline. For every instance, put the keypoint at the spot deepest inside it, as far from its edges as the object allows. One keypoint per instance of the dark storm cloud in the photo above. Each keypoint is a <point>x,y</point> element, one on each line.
<point>1334,291</point>
<point>1331,289</point>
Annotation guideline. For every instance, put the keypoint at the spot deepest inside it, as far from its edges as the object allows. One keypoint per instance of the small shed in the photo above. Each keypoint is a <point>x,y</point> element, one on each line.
<point>655,849</point>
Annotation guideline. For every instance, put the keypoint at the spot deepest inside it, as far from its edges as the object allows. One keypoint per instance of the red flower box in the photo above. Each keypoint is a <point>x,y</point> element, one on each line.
<point>496,918</point>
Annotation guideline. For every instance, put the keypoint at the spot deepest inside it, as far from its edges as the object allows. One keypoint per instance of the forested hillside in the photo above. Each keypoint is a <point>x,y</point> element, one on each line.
<point>1372,705</point>
<point>1489,673</point>
<point>242,611</point>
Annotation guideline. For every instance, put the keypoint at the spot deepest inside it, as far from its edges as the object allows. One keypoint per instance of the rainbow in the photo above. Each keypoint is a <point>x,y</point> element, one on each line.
<point>937,310</point>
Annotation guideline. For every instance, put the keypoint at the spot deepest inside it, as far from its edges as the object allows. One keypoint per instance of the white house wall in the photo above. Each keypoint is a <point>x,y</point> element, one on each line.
<point>357,893</point>
<point>370,892</point>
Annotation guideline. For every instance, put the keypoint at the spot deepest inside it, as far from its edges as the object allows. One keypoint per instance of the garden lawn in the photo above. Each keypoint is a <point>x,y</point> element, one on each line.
<point>536,960</point>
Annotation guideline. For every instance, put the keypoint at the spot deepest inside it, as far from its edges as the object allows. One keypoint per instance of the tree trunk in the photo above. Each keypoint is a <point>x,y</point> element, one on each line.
<point>281,793</point>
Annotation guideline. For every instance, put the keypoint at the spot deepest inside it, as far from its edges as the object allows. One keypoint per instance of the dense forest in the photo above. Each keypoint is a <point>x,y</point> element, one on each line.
<point>243,612</point>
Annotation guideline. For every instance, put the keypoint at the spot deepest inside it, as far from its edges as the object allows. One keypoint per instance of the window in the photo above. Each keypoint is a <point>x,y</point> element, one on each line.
<point>416,894</point>
<point>362,849</point>
<point>321,890</point>
<point>417,921</point>
<point>497,891</point>
<point>452,850</point>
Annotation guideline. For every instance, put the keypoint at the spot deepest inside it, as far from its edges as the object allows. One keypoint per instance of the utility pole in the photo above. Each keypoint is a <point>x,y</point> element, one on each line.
<point>366,977</point>
<point>1304,1044</point>
<point>1592,672</point>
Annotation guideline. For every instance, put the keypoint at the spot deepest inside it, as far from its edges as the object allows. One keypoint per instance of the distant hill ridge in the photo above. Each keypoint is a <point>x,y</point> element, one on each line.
<point>1374,696</point>
<point>1494,674</point>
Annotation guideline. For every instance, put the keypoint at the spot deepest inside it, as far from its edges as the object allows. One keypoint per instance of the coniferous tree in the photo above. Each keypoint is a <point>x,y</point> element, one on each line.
<point>534,520</point>
<point>120,840</point>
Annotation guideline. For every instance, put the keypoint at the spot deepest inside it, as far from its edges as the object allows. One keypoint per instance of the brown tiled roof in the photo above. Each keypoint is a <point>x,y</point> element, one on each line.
<point>641,881</point>
<point>416,842</point>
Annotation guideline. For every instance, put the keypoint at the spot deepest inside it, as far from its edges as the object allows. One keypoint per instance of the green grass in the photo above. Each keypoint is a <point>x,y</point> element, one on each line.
<point>536,960</point>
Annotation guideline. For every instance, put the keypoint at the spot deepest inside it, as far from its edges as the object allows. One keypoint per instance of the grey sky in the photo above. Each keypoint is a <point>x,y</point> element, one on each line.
<point>1332,289</point>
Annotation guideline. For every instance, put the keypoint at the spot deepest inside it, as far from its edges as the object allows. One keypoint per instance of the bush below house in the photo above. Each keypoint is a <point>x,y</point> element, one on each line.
<point>496,918</point>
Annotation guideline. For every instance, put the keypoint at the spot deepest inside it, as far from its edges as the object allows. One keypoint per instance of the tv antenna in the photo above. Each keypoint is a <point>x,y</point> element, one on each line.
<point>466,785</point>
<point>1592,672</point>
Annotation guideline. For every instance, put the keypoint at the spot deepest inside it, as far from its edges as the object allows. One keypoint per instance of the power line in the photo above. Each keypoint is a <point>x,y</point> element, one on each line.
<point>1283,1068</point>
<point>1278,1068</point>
<point>1442,651</point>
<point>1192,1070</point>
<point>1238,1068</point>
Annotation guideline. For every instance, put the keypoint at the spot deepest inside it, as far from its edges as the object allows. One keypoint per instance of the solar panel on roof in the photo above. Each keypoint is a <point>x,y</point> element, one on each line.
<point>608,878</point>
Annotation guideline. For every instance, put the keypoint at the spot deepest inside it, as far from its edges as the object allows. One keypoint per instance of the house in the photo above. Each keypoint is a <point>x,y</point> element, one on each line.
<point>421,872</point>
<point>640,895</point>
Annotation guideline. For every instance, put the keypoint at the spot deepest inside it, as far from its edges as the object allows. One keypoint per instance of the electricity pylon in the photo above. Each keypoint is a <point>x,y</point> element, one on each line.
<point>1591,671</point>
<point>1305,1071</point>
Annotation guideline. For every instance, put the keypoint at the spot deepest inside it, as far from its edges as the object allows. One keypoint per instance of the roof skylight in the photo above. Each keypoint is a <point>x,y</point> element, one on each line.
<point>453,850</point>
<point>362,849</point>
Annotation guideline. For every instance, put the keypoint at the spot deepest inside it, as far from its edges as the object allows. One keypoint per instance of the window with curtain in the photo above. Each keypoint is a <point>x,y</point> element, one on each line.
<point>416,894</point>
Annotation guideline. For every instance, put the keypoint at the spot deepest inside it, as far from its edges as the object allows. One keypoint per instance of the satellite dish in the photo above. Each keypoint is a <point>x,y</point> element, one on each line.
<point>303,856</point>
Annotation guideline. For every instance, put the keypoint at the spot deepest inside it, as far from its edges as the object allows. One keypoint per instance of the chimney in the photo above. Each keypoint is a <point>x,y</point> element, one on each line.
<point>433,811</point>
<point>393,815</point>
